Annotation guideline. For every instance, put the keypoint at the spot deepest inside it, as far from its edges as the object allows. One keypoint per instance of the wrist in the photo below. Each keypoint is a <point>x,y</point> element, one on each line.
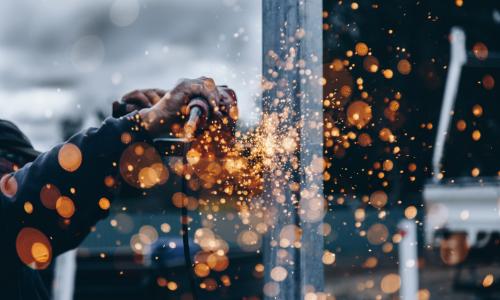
<point>152,121</point>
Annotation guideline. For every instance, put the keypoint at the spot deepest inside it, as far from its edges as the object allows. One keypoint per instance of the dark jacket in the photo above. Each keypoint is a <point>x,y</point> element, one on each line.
<point>25,219</point>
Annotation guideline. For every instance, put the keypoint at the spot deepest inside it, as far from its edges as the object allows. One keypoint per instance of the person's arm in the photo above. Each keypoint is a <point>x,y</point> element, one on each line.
<point>60,194</point>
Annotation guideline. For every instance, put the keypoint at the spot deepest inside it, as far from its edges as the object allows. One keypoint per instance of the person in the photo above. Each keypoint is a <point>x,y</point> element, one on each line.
<point>49,206</point>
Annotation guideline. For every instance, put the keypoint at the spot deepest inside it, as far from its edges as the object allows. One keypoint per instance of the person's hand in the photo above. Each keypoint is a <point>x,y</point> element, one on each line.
<point>170,108</point>
<point>137,100</point>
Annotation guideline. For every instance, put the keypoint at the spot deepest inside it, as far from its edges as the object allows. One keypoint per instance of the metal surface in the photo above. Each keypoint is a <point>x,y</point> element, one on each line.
<point>64,276</point>
<point>171,140</point>
<point>458,58</point>
<point>292,63</point>
<point>408,260</point>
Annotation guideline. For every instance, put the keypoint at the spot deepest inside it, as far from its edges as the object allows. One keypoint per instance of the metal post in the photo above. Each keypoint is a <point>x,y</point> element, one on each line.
<point>292,77</point>
<point>458,58</point>
<point>64,276</point>
<point>408,260</point>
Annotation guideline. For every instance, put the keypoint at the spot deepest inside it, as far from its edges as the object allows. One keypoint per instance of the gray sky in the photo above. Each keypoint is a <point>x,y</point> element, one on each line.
<point>62,58</point>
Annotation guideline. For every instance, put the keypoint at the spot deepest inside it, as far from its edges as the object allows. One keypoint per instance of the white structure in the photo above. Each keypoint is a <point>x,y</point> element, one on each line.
<point>408,260</point>
<point>465,205</point>
<point>64,276</point>
<point>458,58</point>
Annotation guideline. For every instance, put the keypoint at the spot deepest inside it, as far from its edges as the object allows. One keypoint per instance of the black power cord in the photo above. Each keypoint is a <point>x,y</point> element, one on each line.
<point>185,229</point>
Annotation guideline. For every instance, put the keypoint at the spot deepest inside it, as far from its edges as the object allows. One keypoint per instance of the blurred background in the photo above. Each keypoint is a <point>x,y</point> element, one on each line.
<point>69,60</point>
<point>64,62</point>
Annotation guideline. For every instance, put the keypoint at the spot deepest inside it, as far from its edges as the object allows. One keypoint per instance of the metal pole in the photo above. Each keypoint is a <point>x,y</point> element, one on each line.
<point>64,276</point>
<point>458,58</point>
<point>408,260</point>
<point>292,77</point>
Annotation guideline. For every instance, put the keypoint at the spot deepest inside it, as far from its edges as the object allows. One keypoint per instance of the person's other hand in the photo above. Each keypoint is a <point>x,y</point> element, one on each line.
<point>137,100</point>
<point>173,104</point>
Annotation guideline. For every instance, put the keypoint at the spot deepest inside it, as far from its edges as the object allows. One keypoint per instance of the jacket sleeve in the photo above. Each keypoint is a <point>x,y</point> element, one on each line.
<point>66,190</point>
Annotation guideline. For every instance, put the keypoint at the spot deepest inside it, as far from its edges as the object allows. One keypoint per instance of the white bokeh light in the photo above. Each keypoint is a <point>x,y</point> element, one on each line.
<point>124,12</point>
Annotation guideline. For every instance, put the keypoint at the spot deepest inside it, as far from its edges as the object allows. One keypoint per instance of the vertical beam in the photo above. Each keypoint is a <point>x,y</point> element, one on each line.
<point>64,276</point>
<point>408,260</point>
<point>292,75</point>
<point>458,58</point>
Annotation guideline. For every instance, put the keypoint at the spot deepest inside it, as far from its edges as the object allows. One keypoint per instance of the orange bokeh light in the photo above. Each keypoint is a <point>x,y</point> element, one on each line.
<point>104,203</point>
<point>49,195</point>
<point>65,207</point>
<point>33,248</point>
<point>8,185</point>
<point>70,157</point>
